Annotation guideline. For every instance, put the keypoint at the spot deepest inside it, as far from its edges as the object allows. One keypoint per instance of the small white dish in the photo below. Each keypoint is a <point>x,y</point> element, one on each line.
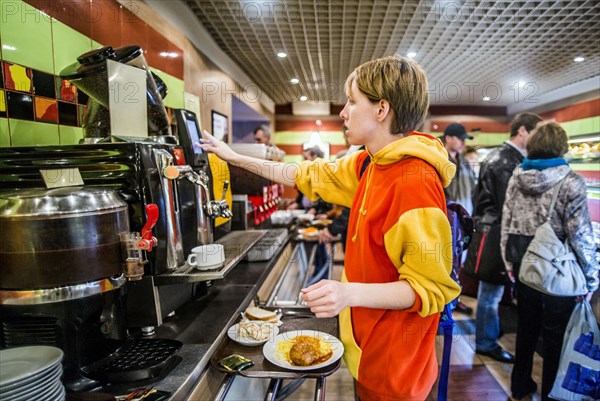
<point>29,387</point>
<point>271,352</point>
<point>233,333</point>
<point>305,218</point>
<point>19,364</point>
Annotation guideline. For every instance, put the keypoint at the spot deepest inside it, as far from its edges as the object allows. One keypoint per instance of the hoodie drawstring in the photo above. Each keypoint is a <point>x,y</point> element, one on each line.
<point>363,211</point>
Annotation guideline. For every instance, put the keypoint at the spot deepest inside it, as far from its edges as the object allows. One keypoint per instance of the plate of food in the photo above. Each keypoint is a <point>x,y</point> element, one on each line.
<point>252,332</point>
<point>303,350</point>
<point>308,234</point>
<point>321,223</point>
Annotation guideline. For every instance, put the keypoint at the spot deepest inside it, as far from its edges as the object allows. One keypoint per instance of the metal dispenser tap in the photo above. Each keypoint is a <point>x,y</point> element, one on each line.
<point>220,208</point>
<point>164,161</point>
<point>132,245</point>
<point>206,208</point>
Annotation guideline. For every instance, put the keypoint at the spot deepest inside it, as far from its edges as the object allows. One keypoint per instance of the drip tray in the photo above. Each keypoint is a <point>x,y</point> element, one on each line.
<point>236,244</point>
<point>135,360</point>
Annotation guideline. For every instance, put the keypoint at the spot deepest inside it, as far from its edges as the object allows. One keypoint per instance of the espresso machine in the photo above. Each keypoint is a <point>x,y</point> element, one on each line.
<point>120,286</point>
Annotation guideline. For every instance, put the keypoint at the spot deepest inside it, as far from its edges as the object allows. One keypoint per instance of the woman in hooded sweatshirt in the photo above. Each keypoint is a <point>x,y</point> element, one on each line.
<point>528,199</point>
<point>398,259</point>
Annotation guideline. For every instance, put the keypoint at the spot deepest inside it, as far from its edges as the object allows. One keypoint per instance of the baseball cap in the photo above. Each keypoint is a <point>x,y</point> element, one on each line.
<point>457,130</point>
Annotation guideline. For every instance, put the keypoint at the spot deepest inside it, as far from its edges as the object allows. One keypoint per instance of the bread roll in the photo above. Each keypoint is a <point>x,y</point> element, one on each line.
<point>255,313</point>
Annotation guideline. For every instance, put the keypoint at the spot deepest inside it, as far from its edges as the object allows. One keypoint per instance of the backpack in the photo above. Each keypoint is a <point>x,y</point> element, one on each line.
<point>462,227</point>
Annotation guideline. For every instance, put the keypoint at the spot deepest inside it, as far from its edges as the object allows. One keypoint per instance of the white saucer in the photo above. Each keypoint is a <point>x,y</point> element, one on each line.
<point>20,364</point>
<point>207,267</point>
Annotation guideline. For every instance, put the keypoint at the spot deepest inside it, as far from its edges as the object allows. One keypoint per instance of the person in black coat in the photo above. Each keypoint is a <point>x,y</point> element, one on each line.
<point>490,191</point>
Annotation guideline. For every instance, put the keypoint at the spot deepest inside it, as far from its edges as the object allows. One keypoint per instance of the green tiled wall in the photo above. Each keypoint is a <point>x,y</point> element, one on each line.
<point>26,133</point>
<point>68,45</point>
<point>26,36</point>
<point>48,45</point>
<point>583,126</point>
<point>69,135</point>
<point>174,98</point>
<point>4,136</point>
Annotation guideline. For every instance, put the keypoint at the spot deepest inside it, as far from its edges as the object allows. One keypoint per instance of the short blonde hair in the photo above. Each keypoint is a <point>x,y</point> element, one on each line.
<point>400,81</point>
<point>547,140</point>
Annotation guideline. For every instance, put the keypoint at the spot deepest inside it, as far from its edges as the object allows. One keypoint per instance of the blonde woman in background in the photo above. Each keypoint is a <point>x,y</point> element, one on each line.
<point>528,199</point>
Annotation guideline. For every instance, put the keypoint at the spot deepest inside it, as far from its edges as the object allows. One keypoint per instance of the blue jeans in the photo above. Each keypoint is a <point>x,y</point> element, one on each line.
<point>487,323</point>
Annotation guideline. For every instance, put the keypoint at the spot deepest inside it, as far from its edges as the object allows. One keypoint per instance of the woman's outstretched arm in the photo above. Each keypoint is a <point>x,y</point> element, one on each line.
<point>279,172</point>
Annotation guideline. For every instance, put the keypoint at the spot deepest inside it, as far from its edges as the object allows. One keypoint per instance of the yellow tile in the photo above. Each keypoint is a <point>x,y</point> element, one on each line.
<point>20,78</point>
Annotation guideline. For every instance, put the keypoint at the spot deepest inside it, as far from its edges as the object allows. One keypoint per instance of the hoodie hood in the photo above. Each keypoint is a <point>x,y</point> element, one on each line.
<point>422,146</point>
<point>535,182</point>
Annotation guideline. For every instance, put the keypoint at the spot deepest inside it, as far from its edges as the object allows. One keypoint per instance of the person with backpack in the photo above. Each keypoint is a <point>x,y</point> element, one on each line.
<point>530,191</point>
<point>483,259</point>
<point>398,260</point>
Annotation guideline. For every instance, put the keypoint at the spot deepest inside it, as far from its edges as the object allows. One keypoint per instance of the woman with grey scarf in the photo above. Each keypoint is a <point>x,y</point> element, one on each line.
<point>526,207</point>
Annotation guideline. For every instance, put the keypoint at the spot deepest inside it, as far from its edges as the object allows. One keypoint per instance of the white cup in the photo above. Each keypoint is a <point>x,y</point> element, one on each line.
<point>207,256</point>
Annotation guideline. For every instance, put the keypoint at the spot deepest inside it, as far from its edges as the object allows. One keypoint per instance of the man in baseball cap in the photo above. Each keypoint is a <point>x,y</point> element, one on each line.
<point>457,130</point>
<point>461,187</point>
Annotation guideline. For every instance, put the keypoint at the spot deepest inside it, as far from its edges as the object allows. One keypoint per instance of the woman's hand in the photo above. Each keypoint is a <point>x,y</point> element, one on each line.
<point>325,236</point>
<point>327,298</point>
<point>211,144</point>
<point>587,297</point>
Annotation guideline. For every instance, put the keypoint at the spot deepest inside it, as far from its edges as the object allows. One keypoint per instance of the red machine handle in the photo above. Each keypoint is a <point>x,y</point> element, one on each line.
<point>151,219</point>
<point>147,241</point>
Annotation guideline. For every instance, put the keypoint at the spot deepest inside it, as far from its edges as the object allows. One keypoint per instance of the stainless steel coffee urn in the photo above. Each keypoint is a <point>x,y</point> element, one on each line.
<point>61,269</point>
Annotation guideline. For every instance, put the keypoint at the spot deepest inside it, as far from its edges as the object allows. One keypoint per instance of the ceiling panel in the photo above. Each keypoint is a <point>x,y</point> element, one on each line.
<point>469,49</point>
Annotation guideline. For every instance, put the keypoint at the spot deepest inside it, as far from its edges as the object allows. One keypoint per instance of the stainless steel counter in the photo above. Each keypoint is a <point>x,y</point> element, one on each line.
<point>202,324</point>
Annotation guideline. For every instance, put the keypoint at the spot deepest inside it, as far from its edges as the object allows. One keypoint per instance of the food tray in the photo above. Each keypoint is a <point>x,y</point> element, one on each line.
<point>263,368</point>
<point>135,360</point>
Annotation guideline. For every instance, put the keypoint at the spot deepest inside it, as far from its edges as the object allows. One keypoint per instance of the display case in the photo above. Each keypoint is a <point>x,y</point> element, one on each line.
<point>584,158</point>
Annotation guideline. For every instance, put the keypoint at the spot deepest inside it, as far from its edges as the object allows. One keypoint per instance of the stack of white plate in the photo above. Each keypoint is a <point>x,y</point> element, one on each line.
<point>31,373</point>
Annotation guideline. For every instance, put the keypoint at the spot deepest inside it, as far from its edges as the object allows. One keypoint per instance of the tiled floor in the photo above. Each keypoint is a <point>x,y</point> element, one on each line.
<point>472,377</point>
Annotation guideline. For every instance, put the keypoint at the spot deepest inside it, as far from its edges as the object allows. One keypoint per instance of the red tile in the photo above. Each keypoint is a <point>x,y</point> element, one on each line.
<point>106,22</point>
<point>46,110</point>
<point>157,44</point>
<point>175,65</point>
<point>133,30</point>
<point>73,13</point>
<point>309,124</point>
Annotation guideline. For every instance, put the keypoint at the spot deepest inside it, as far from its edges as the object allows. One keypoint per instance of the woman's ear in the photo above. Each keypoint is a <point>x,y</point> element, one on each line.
<point>383,110</point>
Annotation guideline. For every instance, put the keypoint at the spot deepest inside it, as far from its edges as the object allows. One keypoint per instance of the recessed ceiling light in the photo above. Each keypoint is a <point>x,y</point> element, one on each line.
<point>578,59</point>
<point>282,55</point>
<point>411,54</point>
<point>486,98</point>
<point>303,98</point>
<point>295,81</point>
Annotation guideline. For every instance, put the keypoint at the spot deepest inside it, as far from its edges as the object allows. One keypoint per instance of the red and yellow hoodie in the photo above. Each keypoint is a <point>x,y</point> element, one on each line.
<point>398,230</point>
